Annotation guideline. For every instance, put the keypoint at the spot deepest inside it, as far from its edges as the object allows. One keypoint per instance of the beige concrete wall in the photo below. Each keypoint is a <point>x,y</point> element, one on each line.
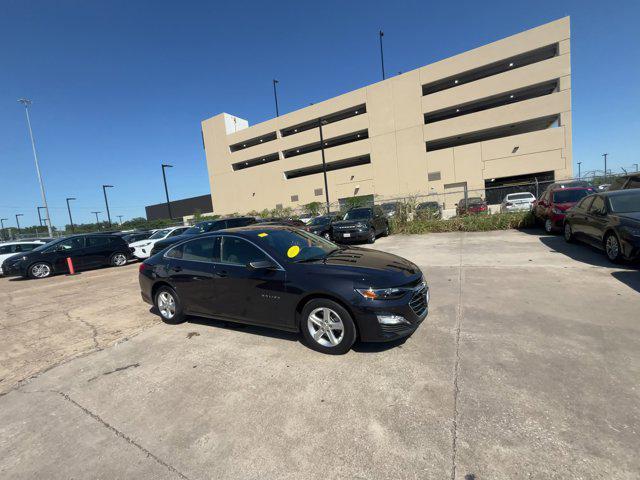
<point>394,119</point>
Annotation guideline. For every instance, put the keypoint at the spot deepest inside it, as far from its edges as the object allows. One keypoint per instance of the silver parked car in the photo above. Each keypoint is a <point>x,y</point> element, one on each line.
<point>517,202</point>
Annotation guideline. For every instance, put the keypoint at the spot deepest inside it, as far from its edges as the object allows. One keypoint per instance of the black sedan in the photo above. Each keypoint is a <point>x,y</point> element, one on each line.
<point>85,252</point>
<point>608,220</point>
<point>288,279</point>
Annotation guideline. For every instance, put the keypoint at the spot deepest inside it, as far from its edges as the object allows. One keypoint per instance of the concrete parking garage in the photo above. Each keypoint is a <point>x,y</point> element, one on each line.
<point>526,367</point>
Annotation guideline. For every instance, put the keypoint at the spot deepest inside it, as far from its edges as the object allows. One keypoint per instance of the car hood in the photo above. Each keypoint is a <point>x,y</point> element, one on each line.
<point>368,267</point>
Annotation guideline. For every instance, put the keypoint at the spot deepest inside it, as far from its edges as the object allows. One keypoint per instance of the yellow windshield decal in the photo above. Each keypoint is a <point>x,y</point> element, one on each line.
<point>293,251</point>
<point>263,234</point>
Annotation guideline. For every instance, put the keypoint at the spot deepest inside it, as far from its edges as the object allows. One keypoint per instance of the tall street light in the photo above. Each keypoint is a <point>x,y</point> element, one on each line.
<point>381,34</point>
<point>119,218</point>
<point>636,165</point>
<point>69,210</point>
<point>97,221</point>
<point>18,221</point>
<point>166,190</point>
<point>27,103</point>
<point>39,215</point>
<point>324,163</point>
<point>2,220</point>
<point>275,96</point>
<point>605,155</point>
<point>579,163</point>
<point>106,202</point>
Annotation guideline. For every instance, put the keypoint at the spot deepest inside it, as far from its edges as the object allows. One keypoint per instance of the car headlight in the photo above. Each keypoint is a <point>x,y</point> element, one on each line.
<point>381,293</point>
<point>361,225</point>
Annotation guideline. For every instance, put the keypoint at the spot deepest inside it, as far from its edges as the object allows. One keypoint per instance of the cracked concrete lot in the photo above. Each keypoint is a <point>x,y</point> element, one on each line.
<point>527,367</point>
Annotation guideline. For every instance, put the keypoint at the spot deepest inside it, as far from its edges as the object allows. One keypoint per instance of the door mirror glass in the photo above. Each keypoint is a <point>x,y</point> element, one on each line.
<point>261,265</point>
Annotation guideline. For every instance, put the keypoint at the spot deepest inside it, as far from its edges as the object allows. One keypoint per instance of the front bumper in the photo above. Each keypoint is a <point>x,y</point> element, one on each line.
<point>414,307</point>
<point>142,252</point>
<point>350,235</point>
<point>13,269</point>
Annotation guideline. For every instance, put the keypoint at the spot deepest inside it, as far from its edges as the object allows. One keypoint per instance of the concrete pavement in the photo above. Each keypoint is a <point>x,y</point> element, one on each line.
<point>527,367</point>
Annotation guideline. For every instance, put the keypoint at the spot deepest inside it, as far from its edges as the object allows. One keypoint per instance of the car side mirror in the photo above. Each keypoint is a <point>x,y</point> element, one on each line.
<point>261,265</point>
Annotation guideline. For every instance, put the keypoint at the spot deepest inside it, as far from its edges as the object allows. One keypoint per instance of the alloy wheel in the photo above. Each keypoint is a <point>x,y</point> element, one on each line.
<point>327,236</point>
<point>166,305</point>
<point>325,327</point>
<point>567,232</point>
<point>119,259</point>
<point>41,270</point>
<point>548,226</point>
<point>612,247</point>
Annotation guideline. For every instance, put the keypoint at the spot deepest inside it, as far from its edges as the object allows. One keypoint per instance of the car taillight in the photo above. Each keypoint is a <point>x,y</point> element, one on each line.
<point>143,267</point>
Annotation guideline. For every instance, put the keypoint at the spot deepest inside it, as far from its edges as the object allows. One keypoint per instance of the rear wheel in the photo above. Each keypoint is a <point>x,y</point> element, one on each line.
<point>327,327</point>
<point>118,259</point>
<point>548,225</point>
<point>612,248</point>
<point>40,270</point>
<point>168,304</point>
<point>385,232</point>
<point>568,234</point>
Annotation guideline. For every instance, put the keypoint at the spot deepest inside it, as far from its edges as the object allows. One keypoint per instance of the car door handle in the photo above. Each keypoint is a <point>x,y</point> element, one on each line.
<point>221,274</point>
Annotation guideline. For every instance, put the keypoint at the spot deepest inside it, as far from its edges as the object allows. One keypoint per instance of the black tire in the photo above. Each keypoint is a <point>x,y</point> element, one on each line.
<point>327,236</point>
<point>612,248</point>
<point>548,226</point>
<point>568,233</point>
<point>39,270</point>
<point>338,316</point>
<point>164,309</point>
<point>116,259</point>
<point>372,236</point>
<point>385,232</point>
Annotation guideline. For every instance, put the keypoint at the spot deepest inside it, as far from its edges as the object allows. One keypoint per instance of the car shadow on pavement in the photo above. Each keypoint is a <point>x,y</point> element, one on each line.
<point>582,252</point>
<point>629,278</point>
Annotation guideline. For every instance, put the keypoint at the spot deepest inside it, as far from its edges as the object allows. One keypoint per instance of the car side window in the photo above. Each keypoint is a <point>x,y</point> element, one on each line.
<point>240,252</point>
<point>176,232</point>
<point>24,247</point>
<point>74,243</point>
<point>597,206</point>
<point>97,241</point>
<point>5,249</point>
<point>202,250</point>
<point>585,203</point>
<point>175,252</point>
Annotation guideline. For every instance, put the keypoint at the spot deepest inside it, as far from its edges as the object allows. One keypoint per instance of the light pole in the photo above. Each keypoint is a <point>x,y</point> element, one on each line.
<point>381,34</point>
<point>39,216</point>
<point>2,220</point>
<point>26,104</point>
<point>18,221</point>
<point>119,218</point>
<point>97,221</point>
<point>275,96</point>
<point>70,218</point>
<point>106,202</point>
<point>166,190</point>
<point>579,163</point>
<point>324,164</point>
<point>605,155</point>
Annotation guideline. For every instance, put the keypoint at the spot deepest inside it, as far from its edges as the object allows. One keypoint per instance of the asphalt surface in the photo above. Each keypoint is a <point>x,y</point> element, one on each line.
<point>526,367</point>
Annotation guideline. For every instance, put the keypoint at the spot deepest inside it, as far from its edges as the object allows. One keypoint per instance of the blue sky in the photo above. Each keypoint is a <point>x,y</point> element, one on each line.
<point>119,87</point>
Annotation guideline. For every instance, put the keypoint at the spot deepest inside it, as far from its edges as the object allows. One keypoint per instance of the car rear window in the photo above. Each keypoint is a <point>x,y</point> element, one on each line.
<point>626,202</point>
<point>519,196</point>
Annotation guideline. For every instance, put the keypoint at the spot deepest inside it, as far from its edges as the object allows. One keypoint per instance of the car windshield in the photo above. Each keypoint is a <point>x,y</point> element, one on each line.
<point>296,245</point>
<point>319,221</point>
<point>626,202</point>
<point>160,234</point>
<point>388,207</point>
<point>198,228</point>
<point>474,200</point>
<point>358,214</point>
<point>570,196</point>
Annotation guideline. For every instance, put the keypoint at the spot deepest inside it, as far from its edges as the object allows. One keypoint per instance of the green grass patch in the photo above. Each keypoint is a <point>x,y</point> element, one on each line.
<point>467,223</point>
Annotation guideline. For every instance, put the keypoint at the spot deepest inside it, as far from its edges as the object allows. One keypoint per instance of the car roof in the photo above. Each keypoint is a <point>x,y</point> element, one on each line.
<point>617,193</point>
<point>557,189</point>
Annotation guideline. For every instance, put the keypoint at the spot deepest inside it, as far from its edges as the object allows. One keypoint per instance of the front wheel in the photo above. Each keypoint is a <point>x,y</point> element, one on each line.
<point>327,236</point>
<point>568,234</point>
<point>612,248</point>
<point>118,259</point>
<point>327,327</point>
<point>548,225</point>
<point>40,270</point>
<point>385,232</point>
<point>372,236</point>
<point>169,306</point>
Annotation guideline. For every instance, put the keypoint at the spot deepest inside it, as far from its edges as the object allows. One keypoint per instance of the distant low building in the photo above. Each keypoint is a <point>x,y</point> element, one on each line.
<point>180,208</point>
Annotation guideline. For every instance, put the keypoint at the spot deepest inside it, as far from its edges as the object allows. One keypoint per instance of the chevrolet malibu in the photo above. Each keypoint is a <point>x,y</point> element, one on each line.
<point>288,279</point>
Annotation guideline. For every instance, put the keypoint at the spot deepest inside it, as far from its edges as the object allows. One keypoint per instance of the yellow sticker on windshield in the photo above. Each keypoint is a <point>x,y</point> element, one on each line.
<point>293,251</point>
<point>263,234</point>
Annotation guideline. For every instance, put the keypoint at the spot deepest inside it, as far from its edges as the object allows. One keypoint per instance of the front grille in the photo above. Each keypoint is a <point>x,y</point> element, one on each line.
<point>418,302</point>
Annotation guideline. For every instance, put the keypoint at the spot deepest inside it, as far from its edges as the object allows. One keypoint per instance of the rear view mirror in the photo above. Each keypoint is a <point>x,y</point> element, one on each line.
<point>261,265</point>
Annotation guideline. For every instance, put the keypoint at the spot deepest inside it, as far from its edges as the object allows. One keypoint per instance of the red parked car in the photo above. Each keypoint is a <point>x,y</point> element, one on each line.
<point>473,205</point>
<point>550,208</point>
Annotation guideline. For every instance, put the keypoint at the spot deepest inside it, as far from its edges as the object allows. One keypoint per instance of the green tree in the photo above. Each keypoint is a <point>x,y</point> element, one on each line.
<point>313,208</point>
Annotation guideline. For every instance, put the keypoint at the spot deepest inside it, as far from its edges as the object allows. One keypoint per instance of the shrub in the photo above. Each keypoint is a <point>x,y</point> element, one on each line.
<point>467,223</point>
